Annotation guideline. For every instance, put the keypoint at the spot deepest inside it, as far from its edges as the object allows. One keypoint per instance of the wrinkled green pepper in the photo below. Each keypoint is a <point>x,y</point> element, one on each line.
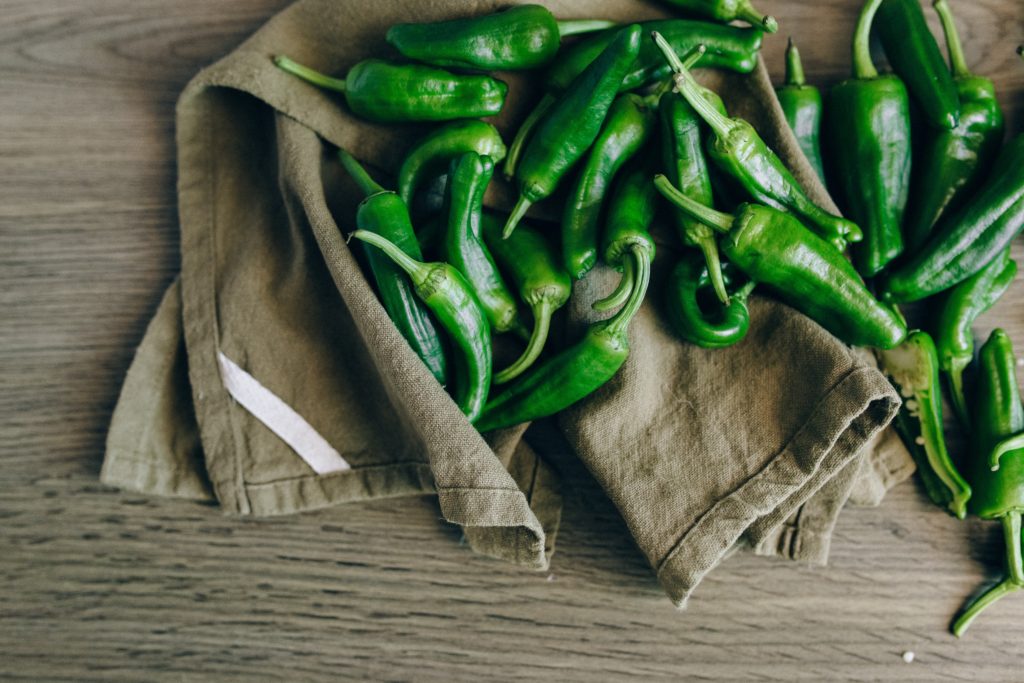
<point>522,37</point>
<point>801,103</point>
<point>774,248</point>
<point>689,316</point>
<point>728,10</point>
<point>998,481</point>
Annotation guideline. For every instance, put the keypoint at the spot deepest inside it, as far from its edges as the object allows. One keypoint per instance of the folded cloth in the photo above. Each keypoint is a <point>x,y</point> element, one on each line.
<point>272,380</point>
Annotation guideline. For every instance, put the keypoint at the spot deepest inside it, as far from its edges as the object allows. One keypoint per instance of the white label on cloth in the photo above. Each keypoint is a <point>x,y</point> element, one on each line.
<point>280,418</point>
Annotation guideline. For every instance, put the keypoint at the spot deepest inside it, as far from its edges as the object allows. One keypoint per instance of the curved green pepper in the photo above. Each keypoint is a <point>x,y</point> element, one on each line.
<point>868,126</point>
<point>737,149</point>
<point>432,154</point>
<point>523,37</point>
<point>376,90</point>
<point>385,214</point>
<point>464,246</point>
<point>774,248</point>
<point>961,308</point>
<point>626,128</point>
<point>954,161</point>
<point>801,103</point>
<point>913,367</point>
<point>573,374</point>
<point>965,241</point>
<point>915,57</point>
<point>572,124</point>
<point>535,268</point>
<point>998,486</point>
<point>715,330</point>
<point>451,299</point>
<point>728,10</point>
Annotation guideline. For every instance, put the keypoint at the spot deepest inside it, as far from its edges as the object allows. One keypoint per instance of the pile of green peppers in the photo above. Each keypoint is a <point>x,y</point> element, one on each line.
<point>623,136</point>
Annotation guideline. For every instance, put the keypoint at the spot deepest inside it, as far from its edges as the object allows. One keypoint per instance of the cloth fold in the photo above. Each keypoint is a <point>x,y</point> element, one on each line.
<point>268,282</point>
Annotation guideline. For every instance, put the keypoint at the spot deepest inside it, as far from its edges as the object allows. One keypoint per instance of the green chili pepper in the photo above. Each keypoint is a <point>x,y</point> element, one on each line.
<point>915,57</point>
<point>728,47</point>
<point>432,154</point>
<point>724,326</point>
<point>801,103</point>
<point>572,124</point>
<point>535,268</point>
<point>913,367</point>
<point>631,211</point>
<point>683,158</point>
<point>774,248</point>
<point>737,148</point>
<point>999,485</point>
<point>954,162</point>
<point>728,10</point>
<point>464,246</point>
<point>383,212</point>
<point>573,374</point>
<point>451,299</point>
<point>961,308</point>
<point>965,241</point>
<point>868,128</point>
<point>626,129</point>
<point>376,90</point>
<point>523,37</point>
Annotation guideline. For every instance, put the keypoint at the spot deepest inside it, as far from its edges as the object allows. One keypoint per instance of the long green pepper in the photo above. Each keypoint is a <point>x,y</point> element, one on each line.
<point>728,10</point>
<point>868,128</point>
<point>572,124</point>
<point>738,150</point>
<point>452,301</point>
<point>383,212</point>
<point>376,90</point>
<point>690,320</point>
<point>802,105</point>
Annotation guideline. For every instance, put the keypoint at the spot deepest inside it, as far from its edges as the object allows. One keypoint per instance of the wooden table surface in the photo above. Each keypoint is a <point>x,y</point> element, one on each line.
<point>101,585</point>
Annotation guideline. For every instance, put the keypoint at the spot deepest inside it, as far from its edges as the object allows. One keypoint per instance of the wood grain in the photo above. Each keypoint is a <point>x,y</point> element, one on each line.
<point>99,585</point>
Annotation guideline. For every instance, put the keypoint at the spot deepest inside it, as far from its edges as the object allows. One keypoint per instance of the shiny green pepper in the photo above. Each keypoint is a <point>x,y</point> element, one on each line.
<point>689,316</point>
<point>801,103</point>
<point>728,10</point>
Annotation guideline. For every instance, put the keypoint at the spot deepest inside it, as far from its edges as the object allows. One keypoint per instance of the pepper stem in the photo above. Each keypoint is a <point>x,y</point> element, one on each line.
<point>515,150</point>
<point>367,184</point>
<point>746,12</point>
<point>541,324</point>
<point>1013,443</point>
<point>309,75</point>
<point>1012,536</point>
<point>418,272</point>
<point>518,211</point>
<point>1013,582</point>
<point>641,256</point>
<point>794,66</point>
<point>573,27</point>
<point>968,616</point>
<point>863,66</point>
<point>621,293</point>
<point>957,63</point>
<point>709,247</point>
<point>717,220</point>
<point>691,90</point>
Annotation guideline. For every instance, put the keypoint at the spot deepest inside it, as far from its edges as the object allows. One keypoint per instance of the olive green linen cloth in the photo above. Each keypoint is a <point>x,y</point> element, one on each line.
<point>268,285</point>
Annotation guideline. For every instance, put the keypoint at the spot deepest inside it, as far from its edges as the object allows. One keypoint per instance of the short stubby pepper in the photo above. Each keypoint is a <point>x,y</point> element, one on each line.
<point>965,241</point>
<point>953,162</point>
<point>627,127</point>
<point>801,103</point>
<point>572,124</point>
<point>380,91</point>
<point>913,368</point>
<point>453,303</point>
<point>523,37</point>
<point>534,267</point>
<point>868,128</point>
<point>383,212</point>
<point>464,246</point>
<point>772,247</point>
<point>739,151</point>
<point>728,10</point>
<point>710,324</point>
<point>433,153</point>
<point>996,466</point>
<point>915,57</point>
<point>961,307</point>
